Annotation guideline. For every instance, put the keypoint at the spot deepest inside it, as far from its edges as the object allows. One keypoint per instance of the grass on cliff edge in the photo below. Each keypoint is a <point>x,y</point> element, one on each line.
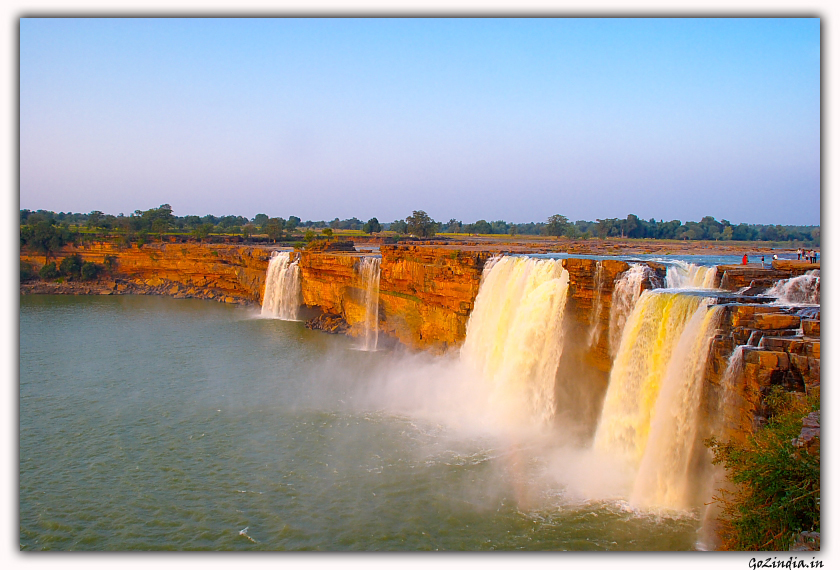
<point>776,486</point>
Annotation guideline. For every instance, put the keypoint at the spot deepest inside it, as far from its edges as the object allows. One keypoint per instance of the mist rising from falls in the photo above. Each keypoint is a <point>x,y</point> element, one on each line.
<point>282,296</point>
<point>683,275</point>
<point>370,270</point>
<point>649,415</point>
<point>514,335</point>
<point>804,289</point>
<point>627,290</point>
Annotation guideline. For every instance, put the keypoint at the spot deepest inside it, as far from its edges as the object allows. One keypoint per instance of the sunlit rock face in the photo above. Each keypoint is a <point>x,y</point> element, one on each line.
<point>197,270</point>
<point>426,294</point>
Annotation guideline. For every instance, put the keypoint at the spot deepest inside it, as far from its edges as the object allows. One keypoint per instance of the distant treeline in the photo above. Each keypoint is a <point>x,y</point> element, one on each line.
<point>142,223</point>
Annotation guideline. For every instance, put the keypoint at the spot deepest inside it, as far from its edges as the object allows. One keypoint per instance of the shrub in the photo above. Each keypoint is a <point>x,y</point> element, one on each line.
<point>777,487</point>
<point>71,266</point>
<point>26,271</point>
<point>110,262</point>
<point>48,271</point>
<point>89,271</point>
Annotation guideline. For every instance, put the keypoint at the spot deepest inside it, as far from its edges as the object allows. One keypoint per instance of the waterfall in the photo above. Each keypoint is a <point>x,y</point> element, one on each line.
<point>626,292</point>
<point>282,287</point>
<point>649,415</point>
<point>514,335</point>
<point>682,275</point>
<point>804,289</point>
<point>597,305</point>
<point>370,269</point>
<point>729,389</point>
<point>664,477</point>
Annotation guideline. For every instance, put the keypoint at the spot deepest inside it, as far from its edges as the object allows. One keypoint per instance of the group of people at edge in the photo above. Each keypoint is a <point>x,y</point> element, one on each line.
<point>810,256</point>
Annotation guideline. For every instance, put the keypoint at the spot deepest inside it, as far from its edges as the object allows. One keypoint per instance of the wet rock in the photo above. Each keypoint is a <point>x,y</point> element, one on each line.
<point>328,322</point>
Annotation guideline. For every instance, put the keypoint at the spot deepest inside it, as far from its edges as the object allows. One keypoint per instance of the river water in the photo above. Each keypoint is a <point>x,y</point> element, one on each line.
<point>164,424</point>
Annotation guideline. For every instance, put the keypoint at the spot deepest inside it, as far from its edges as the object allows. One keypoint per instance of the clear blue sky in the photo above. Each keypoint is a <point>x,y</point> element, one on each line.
<point>512,119</point>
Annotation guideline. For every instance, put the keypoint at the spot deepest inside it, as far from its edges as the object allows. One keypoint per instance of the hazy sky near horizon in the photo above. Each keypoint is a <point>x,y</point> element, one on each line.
<point>512,119</point>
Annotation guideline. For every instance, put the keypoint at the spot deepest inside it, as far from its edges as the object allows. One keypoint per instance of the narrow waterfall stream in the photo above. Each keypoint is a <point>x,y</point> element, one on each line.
<point>627,290</point>
<point>282,296</point>
<point>370,270</point>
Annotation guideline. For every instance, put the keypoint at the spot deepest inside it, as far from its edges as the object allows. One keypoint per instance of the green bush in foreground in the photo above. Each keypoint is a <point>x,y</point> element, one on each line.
<point>777,486</point>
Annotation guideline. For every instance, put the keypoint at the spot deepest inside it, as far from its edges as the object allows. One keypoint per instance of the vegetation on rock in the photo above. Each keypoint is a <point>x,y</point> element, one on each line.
<point>776,485</point>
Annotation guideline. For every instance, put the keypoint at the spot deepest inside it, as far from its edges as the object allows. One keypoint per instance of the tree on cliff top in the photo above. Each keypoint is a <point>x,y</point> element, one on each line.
<point>420,224</point>
<point>292,223</point>
<point>372,226</point>
<point>274,228</point>
<point>557,225</point>
<point>45,237</point>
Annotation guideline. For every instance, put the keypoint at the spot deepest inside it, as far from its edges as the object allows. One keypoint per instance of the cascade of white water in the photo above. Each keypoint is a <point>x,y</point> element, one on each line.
<point>282,296</point>
<point>664,478</point>
<point>682,275</point>
<point>804,289</point>
<point>514,335</point>
<point>729,388</point>
<point>370,270</point>
<point>628,288</point>
<point>597,305</point>
<point>650,335</point>
<point>650,415</point>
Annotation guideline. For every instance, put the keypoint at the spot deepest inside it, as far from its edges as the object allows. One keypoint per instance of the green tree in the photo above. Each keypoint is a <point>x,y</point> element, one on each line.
<point>420,224</point>
<point>274,229</point>
<point>48,271</point>
<point>327,232</point>
<point>26,272</point>
<point>94,218</point>
<point>260,220</point>
<point>89,271</point>
<point>372,226</point>
<point>480,227</point>
<point>557,225</point>
<point>71,266</point>
<point>202,231</point>
<point>399,226</point>
<point>292,223</point>
<point>45,237</point>
<point>309,235</point>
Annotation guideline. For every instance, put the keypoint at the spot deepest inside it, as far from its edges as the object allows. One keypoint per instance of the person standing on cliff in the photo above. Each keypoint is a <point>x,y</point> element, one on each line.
<point>744,261</point>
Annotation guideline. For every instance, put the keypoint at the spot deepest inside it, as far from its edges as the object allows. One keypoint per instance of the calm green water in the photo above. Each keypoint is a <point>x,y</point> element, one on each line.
<point>163,424</point>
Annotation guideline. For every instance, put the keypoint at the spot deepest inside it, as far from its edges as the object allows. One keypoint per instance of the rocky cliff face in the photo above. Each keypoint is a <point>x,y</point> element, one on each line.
<point>427,294</point>
<point>783,349</point>
<point>226,272</point>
